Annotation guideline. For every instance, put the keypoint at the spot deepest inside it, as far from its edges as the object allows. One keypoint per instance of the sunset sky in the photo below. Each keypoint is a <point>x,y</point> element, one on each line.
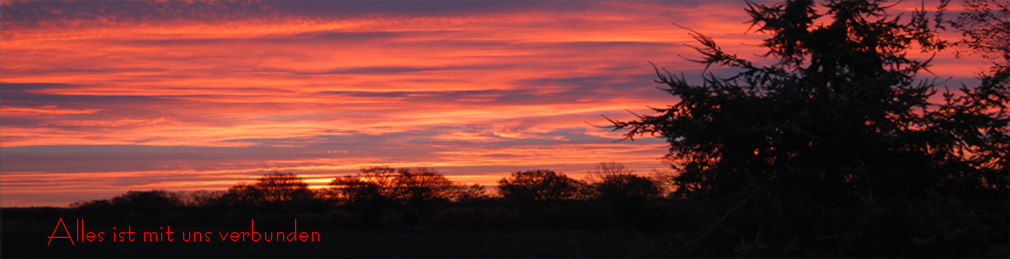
<point>101,97</point>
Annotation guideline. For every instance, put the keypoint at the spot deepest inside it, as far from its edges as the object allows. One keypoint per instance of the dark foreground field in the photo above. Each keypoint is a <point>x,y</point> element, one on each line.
<point>29,240</point>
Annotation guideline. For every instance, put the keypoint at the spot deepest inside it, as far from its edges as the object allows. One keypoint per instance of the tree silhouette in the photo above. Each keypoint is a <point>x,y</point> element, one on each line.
<point>836,147</point>
<point>415,187</point>
<point>538,185</point>
<point>422,186</point>
<point>471,193</point>
<point>604,169</point>
<point>383,177</point>
<point>353,190</point>
<point>135,207</point>
<point>242,195</point>
<point>839,114</point>
<point>614,183</point>
<point>272,189</point>
<point>202,198</point>
<point>985,27</point>
<point>148,202</point>
<point>279,187</point>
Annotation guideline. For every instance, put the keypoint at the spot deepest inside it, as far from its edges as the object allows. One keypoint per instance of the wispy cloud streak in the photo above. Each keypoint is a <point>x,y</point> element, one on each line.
<point>101,97</point>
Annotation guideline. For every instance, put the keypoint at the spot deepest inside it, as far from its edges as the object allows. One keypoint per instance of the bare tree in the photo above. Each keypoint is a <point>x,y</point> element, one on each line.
<point>615,183</point>
<point>421,186</point>
<point>280,187</point>
<point>272,188</point>
<point>410,186</point>
<point>604,169</point>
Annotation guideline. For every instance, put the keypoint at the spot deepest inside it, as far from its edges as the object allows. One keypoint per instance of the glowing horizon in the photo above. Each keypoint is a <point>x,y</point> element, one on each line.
<point>104,97</point>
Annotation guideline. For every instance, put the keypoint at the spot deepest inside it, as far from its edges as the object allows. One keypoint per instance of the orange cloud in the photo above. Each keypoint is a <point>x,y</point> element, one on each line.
<point>101,98</point>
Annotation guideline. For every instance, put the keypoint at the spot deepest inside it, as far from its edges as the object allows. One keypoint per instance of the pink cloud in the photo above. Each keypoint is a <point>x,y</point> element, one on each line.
<point>100,97</point>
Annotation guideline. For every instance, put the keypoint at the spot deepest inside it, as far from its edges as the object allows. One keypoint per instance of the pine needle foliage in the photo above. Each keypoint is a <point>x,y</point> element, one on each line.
<point>839,142</point>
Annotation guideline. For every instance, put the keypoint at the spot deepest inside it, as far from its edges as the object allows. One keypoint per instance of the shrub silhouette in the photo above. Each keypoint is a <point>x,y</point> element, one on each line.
<point>537,186</point>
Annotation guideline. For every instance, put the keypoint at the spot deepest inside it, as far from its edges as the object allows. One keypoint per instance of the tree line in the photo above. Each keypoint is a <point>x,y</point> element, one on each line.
<point>611,196</point>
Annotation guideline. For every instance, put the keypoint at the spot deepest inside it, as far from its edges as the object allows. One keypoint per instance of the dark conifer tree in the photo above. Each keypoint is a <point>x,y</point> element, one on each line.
<point>841,112</point>
<point>836,149</point>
